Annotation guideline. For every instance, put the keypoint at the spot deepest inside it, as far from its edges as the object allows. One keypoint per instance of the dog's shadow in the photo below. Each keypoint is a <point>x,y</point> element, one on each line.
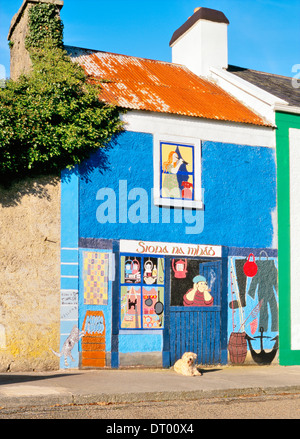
<point>204,371</point>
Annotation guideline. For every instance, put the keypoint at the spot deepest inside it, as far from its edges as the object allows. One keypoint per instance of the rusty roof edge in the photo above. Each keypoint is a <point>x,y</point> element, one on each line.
<point>262,123</point>
<point>223,120</point>
<point>265,121</point>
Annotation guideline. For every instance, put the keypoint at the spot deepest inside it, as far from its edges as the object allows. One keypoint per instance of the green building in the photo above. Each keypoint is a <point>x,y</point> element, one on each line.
<point>277,98</point>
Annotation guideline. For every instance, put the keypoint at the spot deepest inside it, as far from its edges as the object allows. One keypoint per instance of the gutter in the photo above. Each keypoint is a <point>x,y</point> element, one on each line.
<point>286,109</point>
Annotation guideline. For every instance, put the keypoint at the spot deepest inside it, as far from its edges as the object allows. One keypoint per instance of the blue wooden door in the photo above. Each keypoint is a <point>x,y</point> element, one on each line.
<point>198,328</point>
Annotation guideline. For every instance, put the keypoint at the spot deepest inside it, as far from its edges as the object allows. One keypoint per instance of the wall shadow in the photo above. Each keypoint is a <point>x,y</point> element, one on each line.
<point>7,378</point>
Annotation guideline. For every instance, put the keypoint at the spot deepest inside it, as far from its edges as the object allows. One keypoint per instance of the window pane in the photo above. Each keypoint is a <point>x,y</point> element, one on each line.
<point>137,311</point>
<point>177,171</point>
<point>160,271</point>
<point>130,269</point>
<point>150,273</point>
<point>153,309</point>
<point>194,282</point>
<point>130,307</point>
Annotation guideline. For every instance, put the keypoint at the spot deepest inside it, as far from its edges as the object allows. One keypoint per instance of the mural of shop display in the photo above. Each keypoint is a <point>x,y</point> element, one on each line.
<point>142,292</point>
<point>253,308</point>
<point>175,296</point>
<point>195,311</point>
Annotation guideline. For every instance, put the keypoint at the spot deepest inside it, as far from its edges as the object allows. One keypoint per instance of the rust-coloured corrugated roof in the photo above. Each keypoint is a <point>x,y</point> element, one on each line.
<point>144,84</point>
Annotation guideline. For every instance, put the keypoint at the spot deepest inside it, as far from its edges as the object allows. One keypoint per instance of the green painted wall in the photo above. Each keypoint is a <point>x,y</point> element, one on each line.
<point>284,122</point>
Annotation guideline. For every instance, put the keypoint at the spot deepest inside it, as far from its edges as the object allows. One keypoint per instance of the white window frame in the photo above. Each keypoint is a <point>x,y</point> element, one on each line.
<point>197,203</point>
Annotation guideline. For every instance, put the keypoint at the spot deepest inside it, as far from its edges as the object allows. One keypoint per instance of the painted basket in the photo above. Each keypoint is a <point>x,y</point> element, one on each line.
<point>93,341</point>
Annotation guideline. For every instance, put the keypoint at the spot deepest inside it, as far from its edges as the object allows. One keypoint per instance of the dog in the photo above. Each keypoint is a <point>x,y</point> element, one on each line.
<point>186,365</point>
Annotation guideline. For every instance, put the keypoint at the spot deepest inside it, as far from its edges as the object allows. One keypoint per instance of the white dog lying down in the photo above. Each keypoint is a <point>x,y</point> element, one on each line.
<point>186,365</point>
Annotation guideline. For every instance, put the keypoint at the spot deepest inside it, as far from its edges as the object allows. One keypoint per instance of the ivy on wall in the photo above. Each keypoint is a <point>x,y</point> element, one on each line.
<point>51,118</point>
<point>45,27</point>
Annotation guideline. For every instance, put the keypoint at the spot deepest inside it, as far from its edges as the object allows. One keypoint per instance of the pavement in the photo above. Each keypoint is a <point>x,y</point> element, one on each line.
<point>75,386</point>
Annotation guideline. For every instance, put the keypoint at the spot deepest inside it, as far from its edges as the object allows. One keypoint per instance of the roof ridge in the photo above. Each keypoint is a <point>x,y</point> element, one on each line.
<point>126,56</point>
<point>170,63</point>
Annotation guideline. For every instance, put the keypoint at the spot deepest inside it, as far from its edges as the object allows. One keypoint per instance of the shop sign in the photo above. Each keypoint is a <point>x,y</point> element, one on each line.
<point>170,249</point>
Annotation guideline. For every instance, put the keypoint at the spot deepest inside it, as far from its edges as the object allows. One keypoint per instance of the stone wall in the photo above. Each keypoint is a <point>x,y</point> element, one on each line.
<point>30,275</point>
<point>19,57</point>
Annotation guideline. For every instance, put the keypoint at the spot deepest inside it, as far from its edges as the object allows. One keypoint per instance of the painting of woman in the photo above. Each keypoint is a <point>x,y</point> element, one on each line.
<point>170,183</point>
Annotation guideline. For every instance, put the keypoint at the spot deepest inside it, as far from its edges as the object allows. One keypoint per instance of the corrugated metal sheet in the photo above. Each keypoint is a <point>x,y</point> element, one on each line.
<point>144,84</point>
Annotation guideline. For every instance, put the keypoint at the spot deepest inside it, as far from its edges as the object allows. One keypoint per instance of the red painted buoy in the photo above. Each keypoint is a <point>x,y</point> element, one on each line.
<point>250,267</point>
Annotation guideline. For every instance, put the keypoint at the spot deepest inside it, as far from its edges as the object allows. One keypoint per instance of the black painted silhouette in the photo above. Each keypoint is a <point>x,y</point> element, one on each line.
<point>262,357</point>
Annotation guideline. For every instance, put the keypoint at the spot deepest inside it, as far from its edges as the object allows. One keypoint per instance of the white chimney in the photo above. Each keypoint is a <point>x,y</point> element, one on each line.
<point>201,42</point>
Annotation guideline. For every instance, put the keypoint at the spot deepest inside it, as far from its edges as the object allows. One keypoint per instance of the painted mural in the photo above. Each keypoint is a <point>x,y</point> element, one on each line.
<point>195,311</point>
<point>253,308</point>
<point>199,295</point>
<point>177,173</point>
<point>169,295</point>
<point>142,292</point>
<point>95,278</point>
<point>66,351</point>
<point>95,305</point>
<point>93,341</point>
<point>192,282</point>
<point>70,334</point>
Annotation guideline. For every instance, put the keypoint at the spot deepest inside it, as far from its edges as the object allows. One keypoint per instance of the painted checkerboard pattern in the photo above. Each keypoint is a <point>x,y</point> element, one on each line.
<point>95,278</point>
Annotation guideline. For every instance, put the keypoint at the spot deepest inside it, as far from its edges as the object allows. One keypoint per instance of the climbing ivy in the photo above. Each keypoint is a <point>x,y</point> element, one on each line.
<point>45,27</point>
<point>51,118</point>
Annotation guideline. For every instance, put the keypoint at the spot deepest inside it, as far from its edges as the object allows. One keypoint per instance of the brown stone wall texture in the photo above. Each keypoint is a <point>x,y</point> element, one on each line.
<point>20,62</point>
<point>30,275</point>
<point>19,57</point>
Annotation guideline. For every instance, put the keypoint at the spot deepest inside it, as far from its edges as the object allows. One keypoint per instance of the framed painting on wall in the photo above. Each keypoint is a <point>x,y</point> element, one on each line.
<point>177,173</point>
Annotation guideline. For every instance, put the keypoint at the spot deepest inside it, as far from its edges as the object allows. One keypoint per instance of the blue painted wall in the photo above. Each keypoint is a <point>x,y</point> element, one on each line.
<point>240,194</point>
<point>69,262</point>
<point>239,184</point>
<point>239,188</point>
